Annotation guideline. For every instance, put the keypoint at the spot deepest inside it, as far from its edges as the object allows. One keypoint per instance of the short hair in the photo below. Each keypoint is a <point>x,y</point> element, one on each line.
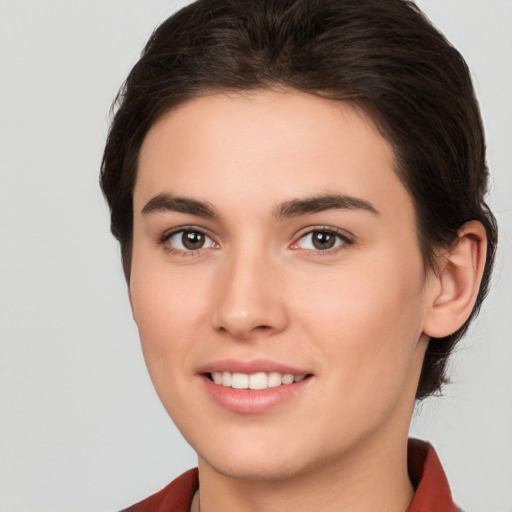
<point>383,56</point>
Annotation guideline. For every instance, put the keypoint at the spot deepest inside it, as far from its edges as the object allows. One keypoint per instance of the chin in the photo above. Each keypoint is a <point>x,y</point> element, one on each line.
<point>262,468</point>
<point>264,460</point>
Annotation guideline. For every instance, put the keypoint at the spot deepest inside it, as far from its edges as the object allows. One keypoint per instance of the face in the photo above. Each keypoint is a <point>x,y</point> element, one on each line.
<point>277,282</point>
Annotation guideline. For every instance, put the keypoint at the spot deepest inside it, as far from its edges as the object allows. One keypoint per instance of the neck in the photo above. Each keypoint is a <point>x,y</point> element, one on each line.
<point>374,479</point>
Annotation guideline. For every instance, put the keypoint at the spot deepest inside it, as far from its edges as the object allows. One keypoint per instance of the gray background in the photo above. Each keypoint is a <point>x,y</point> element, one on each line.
<point>81,428</point>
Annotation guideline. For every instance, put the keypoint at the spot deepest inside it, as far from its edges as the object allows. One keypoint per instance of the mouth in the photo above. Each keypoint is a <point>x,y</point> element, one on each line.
<point>252,387</point>
<point>255,381</point>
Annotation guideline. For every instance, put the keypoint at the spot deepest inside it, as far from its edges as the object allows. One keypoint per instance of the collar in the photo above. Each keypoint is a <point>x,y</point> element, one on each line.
<point>429,479</point>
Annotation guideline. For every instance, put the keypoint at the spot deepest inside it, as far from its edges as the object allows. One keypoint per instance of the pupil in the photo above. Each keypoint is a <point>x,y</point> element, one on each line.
<point>193,240</point>
<point>323,240</point>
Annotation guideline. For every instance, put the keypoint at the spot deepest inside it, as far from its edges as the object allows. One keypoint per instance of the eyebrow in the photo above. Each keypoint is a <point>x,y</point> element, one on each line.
<point>316,204</point>
<point>170,203</point>
<point>292,208</point>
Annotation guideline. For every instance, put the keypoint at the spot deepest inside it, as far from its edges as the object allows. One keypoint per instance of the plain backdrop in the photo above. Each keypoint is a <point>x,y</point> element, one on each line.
<point>81,428</point>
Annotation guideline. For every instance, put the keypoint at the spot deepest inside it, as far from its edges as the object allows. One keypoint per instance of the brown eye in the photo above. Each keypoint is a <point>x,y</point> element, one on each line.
<point>192,240</point>
<point>187,240</point>
<point>321,240</point>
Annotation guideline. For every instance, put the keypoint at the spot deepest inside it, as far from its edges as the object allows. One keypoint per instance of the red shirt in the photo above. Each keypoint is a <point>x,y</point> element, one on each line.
<point>425,470</point>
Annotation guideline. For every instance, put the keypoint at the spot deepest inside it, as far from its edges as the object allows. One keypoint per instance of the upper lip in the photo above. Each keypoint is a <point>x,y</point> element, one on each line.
<point>250,367</point>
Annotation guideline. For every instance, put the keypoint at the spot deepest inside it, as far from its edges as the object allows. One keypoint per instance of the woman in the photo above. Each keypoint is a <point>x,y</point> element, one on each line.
<point>298,191</point>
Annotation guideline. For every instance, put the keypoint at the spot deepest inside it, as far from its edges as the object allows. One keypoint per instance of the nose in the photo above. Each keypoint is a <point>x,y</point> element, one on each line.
<point>249,298</point>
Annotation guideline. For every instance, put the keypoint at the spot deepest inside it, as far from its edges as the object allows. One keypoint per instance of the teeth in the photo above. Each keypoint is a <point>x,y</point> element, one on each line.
<point>287,378</point>
<point>274,379</point>
<point>260,380</point>
<point>240,381</point>
<point>225,379</point>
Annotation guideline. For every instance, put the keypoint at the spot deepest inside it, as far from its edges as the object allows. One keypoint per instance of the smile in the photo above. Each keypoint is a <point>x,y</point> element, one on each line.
<point>256,386</point>
<point>255,381</point>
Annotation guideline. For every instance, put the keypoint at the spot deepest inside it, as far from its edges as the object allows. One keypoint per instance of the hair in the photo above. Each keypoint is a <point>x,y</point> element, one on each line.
<point>383,56</point>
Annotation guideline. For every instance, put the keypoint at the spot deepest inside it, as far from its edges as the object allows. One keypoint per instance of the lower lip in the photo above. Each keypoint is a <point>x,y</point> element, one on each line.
<point>252,401</point>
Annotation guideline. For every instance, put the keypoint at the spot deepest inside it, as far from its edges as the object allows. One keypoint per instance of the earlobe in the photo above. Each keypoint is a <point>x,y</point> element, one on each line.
<point>457,281</point>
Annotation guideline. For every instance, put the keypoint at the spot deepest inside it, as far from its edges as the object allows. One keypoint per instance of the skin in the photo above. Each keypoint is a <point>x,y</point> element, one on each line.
<point>357,317</point>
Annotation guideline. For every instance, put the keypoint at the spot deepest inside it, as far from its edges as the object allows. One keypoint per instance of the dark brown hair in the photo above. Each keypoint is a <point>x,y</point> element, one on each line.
<point>382,55</point>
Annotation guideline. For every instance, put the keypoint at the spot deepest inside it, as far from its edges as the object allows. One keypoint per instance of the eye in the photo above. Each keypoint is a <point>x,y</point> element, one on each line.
<point>189,240</point>
<point>321,240</point>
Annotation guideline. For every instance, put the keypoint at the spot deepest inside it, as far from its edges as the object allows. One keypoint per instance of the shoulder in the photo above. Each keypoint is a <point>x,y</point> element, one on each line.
<point>175,497</point>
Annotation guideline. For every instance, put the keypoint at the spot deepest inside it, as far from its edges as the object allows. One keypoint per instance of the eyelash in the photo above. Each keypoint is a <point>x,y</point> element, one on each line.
<point>164,240</point>
<point>342,241</point>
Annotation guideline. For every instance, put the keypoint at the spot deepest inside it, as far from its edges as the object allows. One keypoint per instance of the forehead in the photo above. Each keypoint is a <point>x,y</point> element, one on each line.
<point>258,149</point>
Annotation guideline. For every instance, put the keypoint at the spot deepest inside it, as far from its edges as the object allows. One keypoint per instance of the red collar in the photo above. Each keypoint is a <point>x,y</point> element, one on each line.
<point>427,475</point>
<point>425,471</point>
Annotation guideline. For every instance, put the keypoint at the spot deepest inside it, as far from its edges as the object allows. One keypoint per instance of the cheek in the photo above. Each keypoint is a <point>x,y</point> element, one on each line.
<point>167,308</point>
<point>163,297</point>
<point>368,320</point>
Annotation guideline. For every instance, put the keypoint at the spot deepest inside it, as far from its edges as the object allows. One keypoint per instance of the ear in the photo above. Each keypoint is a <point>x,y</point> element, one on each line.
<point>456,283</point>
